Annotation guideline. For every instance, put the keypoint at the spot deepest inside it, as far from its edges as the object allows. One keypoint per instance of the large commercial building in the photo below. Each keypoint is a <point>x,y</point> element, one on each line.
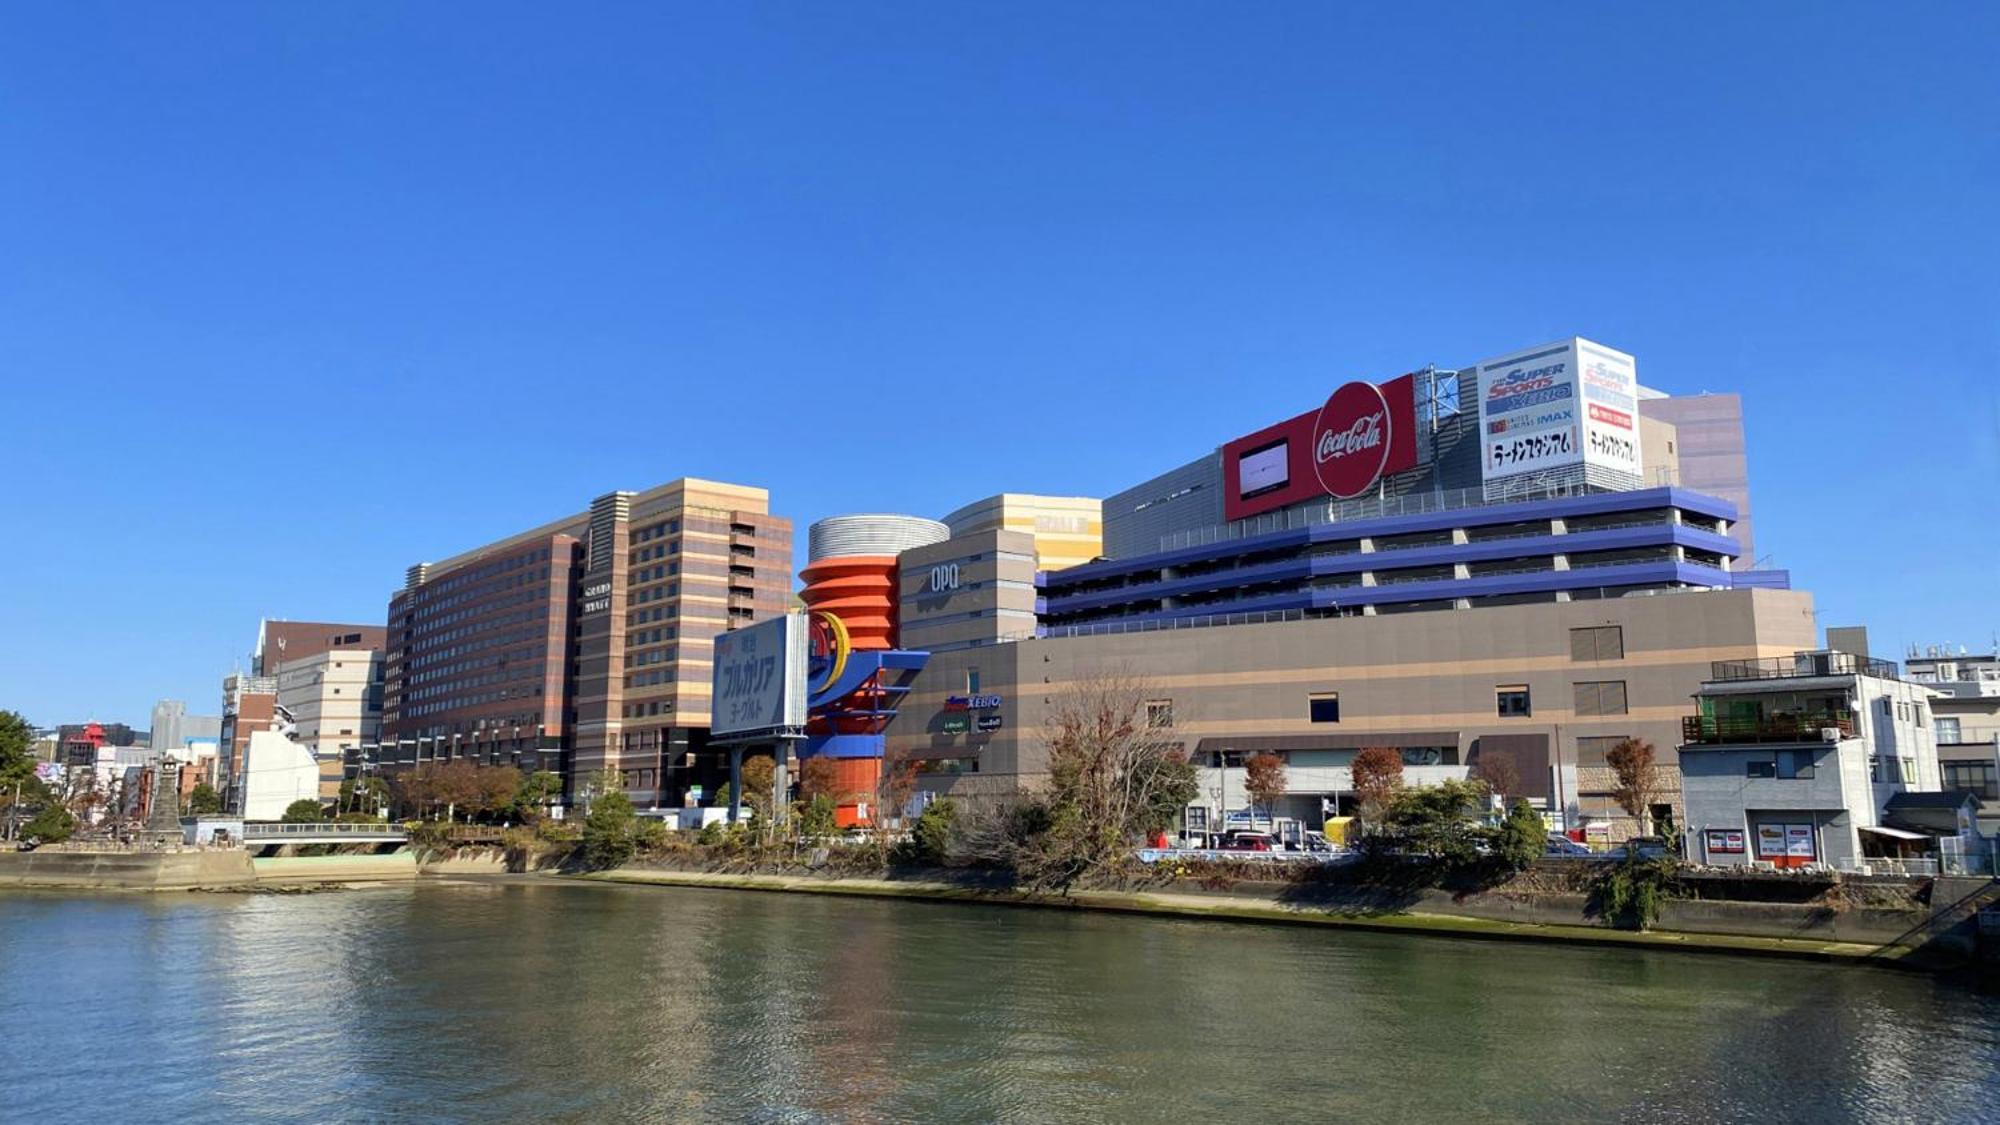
<point>584,644</point>
<point>1497,562</point>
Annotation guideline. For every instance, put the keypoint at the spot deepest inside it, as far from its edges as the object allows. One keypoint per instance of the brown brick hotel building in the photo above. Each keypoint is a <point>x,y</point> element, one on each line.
<point>584,644</point>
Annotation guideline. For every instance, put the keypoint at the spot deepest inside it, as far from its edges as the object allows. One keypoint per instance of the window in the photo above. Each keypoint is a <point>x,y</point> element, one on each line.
<point>1324,706</point>
<point>1760,767</point>
<point>1882,770</point>
<point>1909,771</point>
<point>972,681</point>
<point>1603,698</point>
<point>1980,777</point>
<point>1603,642</point>
<point>1513,700</point>
<point>1947,730</point>
<point>1795,765</point>
<point>1159,713</point>
<point>1590,751</point>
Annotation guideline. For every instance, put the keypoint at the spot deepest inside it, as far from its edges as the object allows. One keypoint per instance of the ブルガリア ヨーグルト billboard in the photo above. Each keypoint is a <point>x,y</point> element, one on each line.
<point>760,678</point>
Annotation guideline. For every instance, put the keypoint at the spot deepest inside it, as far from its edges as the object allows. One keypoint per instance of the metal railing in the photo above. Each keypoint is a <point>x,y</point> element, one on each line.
<point>321,831</point>
<point>1713,730</point>
<point>1342,511</point>
<point>1801,665</point>
<point>1103,628</point>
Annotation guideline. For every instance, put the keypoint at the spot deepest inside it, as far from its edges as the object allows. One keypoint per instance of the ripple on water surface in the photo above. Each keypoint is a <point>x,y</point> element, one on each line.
<point>509,1001</point>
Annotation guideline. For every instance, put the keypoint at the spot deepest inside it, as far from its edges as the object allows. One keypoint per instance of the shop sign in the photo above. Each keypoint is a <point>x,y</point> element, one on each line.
<point>1725,841</point>
<point>957,724</point>
<point>971,702</point>
<point>989,723</point>
<point>1351,440</point>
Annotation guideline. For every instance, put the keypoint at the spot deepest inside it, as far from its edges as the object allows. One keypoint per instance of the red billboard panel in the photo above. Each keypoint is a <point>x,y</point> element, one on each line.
<point>1363,433</point>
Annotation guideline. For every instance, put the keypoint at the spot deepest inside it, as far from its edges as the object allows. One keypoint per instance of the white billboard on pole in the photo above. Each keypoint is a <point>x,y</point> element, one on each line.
<point>760,678</point>
<point>1562,412</point>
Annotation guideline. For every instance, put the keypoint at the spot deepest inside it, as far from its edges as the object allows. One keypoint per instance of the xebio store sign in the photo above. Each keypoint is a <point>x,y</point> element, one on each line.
<point>1363,433</point>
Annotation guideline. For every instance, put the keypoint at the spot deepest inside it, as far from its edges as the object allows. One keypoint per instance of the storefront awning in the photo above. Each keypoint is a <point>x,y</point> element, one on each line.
<point>1894,833</point>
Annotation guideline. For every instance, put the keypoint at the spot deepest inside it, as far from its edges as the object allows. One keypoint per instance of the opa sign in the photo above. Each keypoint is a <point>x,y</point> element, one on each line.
<point>944,578</point>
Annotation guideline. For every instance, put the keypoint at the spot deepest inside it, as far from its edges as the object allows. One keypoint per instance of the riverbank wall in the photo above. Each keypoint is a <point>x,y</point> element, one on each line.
<point>1905,933</point>
<point>127,871</point>
<point>212,869</point>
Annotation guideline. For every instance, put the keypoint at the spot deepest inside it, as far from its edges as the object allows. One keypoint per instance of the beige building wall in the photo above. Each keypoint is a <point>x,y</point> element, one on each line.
<point>332,705</point>
<point>1067,530</point>
<point>1429,672</point>
<point>1659,445</point>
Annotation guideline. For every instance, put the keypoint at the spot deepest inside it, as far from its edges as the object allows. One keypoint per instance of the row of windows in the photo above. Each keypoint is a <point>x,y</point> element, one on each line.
<point>1895,771</point>
<point>470,575</point>
<point>430,640</point>
<point>1905,710</point>
<point>1980,777</point>
<point>428,619</point>
<point>650,657</point>
<point>1596,698</point>
<point>656,531</point>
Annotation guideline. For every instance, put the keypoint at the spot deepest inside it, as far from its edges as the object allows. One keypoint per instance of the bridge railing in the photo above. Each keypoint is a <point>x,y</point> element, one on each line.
<point>320,831</point>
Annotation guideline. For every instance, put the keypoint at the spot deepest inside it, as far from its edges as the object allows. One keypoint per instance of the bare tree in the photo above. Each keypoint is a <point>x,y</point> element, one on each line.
<point>1639,780</point>
<point>1499,771</point>
<point>1112,777</point>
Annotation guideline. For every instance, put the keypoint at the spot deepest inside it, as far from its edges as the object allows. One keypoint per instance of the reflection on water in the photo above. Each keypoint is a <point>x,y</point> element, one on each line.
<point>516,1000</point>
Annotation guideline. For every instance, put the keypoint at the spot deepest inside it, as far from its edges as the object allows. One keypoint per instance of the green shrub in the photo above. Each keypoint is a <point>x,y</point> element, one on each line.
<point>1522,838</point>
<point>52,825</point>
<point>650,835</point>
<point>305,810</point>
<point>712,834</point>
<point>1629,895</point>
<point>815,817</point>
<point>608,832</point>
<point>930,837</point>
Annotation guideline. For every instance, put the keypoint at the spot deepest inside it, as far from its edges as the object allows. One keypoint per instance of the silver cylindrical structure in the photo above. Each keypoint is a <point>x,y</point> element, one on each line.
<point>871,534</point>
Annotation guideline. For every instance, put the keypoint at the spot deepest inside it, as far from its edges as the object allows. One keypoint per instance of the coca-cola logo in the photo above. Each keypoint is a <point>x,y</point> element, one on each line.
<point>1351,440</point>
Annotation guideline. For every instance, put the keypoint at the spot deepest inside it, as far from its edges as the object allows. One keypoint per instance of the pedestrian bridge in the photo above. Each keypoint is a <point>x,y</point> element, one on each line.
<point>328,833</point>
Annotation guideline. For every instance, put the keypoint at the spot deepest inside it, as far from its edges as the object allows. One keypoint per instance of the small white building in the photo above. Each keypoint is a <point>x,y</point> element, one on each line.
<point>1792,761</point>
<point>276,772</point>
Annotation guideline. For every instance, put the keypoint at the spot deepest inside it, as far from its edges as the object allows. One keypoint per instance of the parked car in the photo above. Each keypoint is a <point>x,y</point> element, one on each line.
<point>1249,842</point>
<point>1316,842</point>
<point>1566,848</point>
<point>1648,847</point>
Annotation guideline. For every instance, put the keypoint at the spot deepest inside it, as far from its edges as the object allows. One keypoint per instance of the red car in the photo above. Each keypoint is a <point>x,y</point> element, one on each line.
<point>1249,842</point>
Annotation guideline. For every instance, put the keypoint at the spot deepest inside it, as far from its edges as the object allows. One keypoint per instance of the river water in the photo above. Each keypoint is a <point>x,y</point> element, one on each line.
<point>521,1000</point>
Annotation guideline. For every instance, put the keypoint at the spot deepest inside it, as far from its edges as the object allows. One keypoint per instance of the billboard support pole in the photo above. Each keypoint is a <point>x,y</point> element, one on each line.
<point>735,781</point>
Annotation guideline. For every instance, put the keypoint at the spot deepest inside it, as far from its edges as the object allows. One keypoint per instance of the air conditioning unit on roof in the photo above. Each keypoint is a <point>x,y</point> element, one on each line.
<point>1829,734</point>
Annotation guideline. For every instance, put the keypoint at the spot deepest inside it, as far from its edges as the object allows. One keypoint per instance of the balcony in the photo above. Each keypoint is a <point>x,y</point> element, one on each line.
<point>1801,666</point>
<point>1710,730</point>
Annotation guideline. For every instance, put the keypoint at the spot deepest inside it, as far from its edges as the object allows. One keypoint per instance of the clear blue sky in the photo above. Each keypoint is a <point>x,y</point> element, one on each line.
<point>295,295</point>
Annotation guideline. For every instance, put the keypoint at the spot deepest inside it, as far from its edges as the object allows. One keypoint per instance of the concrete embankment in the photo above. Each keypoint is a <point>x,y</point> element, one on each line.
<point>127,871</point>
<point>214,869</point>
<point>336,868</point>
<point>1745,928</point>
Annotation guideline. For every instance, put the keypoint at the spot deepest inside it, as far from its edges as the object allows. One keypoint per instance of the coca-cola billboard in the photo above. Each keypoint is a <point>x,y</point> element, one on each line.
<point>1361,434</point>
<point>1351,440</point>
